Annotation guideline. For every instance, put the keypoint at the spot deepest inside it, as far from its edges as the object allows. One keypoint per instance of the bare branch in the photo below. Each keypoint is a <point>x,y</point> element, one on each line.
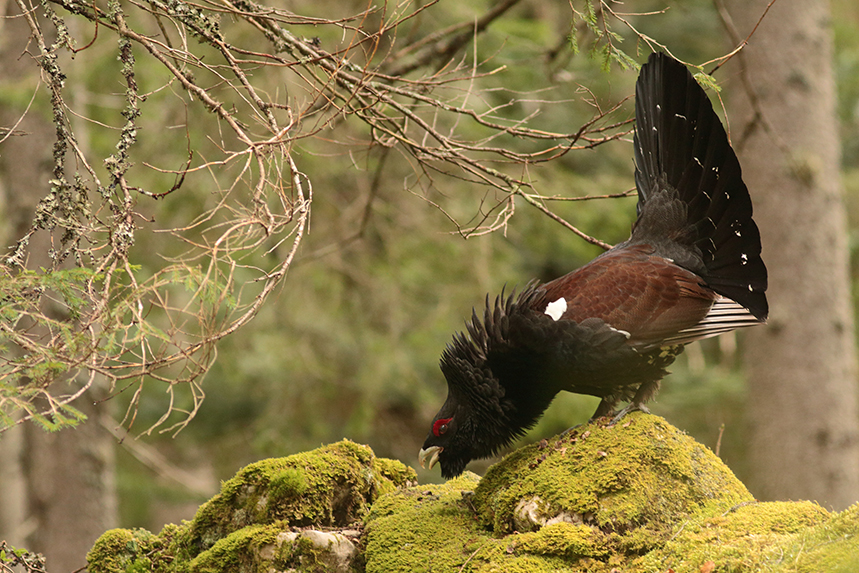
<point>244,88</point>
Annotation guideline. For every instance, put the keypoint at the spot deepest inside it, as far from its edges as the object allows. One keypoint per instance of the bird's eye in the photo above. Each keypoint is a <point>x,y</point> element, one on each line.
<point>440,427</point>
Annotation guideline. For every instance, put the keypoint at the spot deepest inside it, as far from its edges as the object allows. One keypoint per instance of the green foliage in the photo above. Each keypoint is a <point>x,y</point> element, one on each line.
<point>18,559</point>
<point>604,47</point>
<point>707,81</point>
<point>85,331</point>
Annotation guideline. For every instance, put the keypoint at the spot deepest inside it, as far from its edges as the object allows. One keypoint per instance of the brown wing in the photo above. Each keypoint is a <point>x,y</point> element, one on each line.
<point>633,291</point>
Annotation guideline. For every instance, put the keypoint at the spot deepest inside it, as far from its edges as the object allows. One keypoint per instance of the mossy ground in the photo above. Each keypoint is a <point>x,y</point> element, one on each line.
<point>637,497</point>
<point>126,550</point>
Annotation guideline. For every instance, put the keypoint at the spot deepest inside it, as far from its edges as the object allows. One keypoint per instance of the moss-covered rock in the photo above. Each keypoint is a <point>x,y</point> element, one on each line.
<point>631,483</point>
<point>424,528</point>
<point>637,497</point>
<point>328,487</point>
<point>640,496</point>
<point>773,536</point>
<point>250,526</point>
<point>125,551</point>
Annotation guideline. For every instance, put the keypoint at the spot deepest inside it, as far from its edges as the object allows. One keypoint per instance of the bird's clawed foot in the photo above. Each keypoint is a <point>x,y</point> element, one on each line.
<point>572,429</point>
<point>606,411</point>
<point>631,407</point>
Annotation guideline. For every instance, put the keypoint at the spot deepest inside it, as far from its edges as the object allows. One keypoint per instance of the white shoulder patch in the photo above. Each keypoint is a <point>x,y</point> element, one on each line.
<point>623,332</point>
<point>556,309</point>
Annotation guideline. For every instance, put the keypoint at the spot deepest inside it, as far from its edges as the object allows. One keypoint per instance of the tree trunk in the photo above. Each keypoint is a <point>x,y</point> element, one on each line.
<point>803,405</point>
<point>71,490</point>
<point>57,491</point>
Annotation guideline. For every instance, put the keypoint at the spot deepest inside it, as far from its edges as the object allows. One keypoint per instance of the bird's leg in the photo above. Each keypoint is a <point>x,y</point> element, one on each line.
<point>606,408</point>
<point>568,430</point>
<point>642,395</point>
<point>631,407</point>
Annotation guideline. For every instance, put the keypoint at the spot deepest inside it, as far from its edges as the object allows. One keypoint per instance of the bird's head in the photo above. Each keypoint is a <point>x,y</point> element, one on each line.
<point>448,443</point>
<point>467,427</point>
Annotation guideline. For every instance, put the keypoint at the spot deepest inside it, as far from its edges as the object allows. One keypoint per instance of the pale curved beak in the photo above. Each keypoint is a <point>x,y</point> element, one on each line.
<point>430,453</point>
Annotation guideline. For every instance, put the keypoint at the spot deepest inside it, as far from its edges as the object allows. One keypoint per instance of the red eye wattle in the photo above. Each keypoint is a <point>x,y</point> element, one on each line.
<point>440,427</point>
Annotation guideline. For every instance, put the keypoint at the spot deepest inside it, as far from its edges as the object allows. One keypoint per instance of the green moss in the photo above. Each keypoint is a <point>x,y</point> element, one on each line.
<point>756,537</point>
<point>435,528</point>
<point>123,551</point>
<point>594,500</point>
<point>426,528</point>
<point>253,549</point>
<point>638,497</point>
<point>176,540</point>
<point>831,546</point>
<point>396,473</point>
<point>634,480</point>
<point>330,486</point>
<point>289,482</point>
<point>265,548</point>
<point>305,556</point>
<point>566,540</point>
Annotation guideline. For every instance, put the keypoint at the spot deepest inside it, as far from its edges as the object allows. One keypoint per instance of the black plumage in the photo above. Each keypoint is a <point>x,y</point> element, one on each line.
<point>691,269</point>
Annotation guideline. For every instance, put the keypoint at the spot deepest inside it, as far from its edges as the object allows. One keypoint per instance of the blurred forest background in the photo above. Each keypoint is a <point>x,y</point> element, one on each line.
<point>256,231</point>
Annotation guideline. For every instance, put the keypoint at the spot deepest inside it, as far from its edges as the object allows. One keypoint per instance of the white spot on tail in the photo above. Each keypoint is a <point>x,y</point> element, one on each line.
<point>556,309</point>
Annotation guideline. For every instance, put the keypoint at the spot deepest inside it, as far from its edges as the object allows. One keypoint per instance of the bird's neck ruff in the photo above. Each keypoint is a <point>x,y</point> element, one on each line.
<point>482,387</point>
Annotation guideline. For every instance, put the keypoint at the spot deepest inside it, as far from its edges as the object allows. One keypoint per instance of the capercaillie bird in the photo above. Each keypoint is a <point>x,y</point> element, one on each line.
<point>691,269</point>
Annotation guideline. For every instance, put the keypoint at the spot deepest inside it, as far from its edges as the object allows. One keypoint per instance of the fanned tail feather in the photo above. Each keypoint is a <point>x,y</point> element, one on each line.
<point>693,205</point>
